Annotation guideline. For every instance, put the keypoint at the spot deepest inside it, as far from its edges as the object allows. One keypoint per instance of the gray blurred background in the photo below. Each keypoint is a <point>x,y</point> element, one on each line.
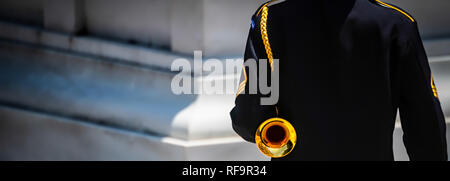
<point>90,79</point>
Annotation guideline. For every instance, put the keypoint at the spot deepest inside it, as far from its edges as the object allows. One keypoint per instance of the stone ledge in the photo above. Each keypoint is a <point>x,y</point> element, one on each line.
<point>88,45</point>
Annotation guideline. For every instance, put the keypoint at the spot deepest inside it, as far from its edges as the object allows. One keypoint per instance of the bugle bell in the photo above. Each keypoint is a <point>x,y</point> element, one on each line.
<point>276,137</point>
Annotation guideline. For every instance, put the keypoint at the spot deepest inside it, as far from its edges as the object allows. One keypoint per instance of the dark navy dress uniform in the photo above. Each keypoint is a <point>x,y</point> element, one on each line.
<point>346,68</point>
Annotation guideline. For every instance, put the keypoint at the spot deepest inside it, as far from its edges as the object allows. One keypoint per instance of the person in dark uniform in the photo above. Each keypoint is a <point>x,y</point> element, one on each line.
<point>345,68</point>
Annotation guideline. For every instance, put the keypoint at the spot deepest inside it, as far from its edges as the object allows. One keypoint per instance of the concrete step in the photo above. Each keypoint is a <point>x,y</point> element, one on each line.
<point>29,135</point>
<point>106,82</point>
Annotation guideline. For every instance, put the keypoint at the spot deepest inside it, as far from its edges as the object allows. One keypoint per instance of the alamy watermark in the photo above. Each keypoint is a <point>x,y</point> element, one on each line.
<point>214,76</point>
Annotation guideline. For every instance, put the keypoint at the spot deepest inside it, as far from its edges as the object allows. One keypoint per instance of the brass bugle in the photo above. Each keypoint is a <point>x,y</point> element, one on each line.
<point>276,137</point>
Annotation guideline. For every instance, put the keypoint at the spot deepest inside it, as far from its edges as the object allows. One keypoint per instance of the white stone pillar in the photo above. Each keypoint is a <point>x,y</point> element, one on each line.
<point>219,28</point>
<point>187,26</point>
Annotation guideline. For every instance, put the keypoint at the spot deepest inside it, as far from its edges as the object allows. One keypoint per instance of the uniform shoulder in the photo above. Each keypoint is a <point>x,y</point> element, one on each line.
<point>267,5</point>
<point>263,10</point>
<point>405,25</point>
<point>395,9</point>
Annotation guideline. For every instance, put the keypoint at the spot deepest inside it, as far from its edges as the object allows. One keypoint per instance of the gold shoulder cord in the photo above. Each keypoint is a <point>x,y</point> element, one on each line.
<point>264,34</point>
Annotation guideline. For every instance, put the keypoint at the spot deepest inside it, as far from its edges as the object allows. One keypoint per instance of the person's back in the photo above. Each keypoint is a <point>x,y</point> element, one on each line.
<point>345,68</point>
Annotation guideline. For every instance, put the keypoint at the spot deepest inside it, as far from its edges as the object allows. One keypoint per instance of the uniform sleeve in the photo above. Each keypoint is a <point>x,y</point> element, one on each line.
<point>248,112</point>
<point>421,115</point>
